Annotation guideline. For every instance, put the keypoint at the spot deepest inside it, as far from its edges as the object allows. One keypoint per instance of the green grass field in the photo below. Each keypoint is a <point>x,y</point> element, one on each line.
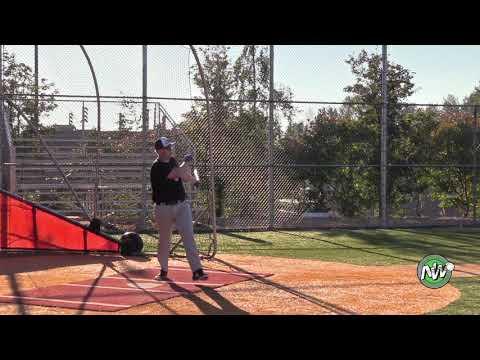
<point>363,247</point>
<point>469,302</point>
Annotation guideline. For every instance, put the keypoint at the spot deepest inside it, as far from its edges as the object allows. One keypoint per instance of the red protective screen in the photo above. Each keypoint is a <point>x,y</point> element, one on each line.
<point>24,225</point>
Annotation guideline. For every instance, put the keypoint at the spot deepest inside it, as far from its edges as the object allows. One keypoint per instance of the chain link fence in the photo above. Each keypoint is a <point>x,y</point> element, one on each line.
<point>278,160</point>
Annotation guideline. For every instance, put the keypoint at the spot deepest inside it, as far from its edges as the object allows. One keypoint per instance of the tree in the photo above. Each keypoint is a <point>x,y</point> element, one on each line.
<point>240,129</point>
<point>252,88</point>
<point>252,82</point>
<point>19,86</point>
<point>246,75</point>
<point>332,138</point>
<point>453,145</point>
<point>220,82</point>
<point>453,185</point>
<point>128,118</point>
<point>367,90</point>
<point>414,144</point>
<point>350,135</point>
<point>473,98</point>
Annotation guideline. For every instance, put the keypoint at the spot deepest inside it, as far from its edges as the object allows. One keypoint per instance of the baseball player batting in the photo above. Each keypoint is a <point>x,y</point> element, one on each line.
<point>168,194</point>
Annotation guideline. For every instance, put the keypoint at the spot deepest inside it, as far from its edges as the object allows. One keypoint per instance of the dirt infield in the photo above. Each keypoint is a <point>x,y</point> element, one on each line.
<point>297,286</point>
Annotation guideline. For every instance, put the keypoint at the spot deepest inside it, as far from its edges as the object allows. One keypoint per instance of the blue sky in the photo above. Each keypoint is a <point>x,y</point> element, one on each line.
<point>317,73</point>
<point>440,70</point>
<point>320,72</point>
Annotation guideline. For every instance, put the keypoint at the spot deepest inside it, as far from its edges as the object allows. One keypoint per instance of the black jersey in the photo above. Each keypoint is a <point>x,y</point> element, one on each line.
<point>164,189</point>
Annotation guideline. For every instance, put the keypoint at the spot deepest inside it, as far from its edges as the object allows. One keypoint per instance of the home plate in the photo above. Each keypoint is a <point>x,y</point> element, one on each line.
<point>124,290</point>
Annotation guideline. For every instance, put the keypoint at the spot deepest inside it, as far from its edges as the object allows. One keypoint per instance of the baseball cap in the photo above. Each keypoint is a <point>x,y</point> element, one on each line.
<point>163,142</point>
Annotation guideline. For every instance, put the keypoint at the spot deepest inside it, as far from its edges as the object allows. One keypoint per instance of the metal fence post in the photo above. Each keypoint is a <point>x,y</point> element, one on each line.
<point>2,114</point>
<point>154,116</point>
<point>143,216</point>
<point>271,200</point>
<point>254,75</point>
<point>7,148</point>
<point>36,86</point>
<point>475,169</point>
<point>384,135</point>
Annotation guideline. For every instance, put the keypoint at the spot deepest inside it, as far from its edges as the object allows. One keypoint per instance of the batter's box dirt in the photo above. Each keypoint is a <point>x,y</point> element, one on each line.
<point>297,286</point>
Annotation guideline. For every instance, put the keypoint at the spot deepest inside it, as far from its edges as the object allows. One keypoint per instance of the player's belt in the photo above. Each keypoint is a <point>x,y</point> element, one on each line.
<point>171,202</point>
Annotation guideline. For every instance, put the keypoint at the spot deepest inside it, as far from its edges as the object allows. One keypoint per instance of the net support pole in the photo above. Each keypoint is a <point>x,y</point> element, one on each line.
<point>475,169</point>
<point>143,215</point>
<point>213,248</point>
<point>97,155</point>
<point>271,200</point>
<point>383,141</point>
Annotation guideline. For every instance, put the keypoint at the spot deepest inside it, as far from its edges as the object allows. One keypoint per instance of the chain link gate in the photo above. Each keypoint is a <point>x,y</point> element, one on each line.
<point>96,173</point>
<point>247,148</point>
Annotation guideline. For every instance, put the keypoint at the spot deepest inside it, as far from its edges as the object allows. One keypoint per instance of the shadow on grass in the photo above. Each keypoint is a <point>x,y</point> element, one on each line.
<point>467,272</point>
<point>415,248</point>
<point>421,249</point>
<point>242,237</point>
<point>468,303</point>
<point>458,236</point>
<point>364,250</point>
<point>409,238</point>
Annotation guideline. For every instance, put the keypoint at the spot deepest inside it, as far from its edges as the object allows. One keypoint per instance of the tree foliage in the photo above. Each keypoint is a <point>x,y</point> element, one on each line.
<point>350,135</point>
<point>19,85</point>
<point>238,91</point>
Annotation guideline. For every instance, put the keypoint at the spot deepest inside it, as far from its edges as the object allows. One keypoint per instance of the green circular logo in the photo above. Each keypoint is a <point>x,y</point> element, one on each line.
<point>434,271</point>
